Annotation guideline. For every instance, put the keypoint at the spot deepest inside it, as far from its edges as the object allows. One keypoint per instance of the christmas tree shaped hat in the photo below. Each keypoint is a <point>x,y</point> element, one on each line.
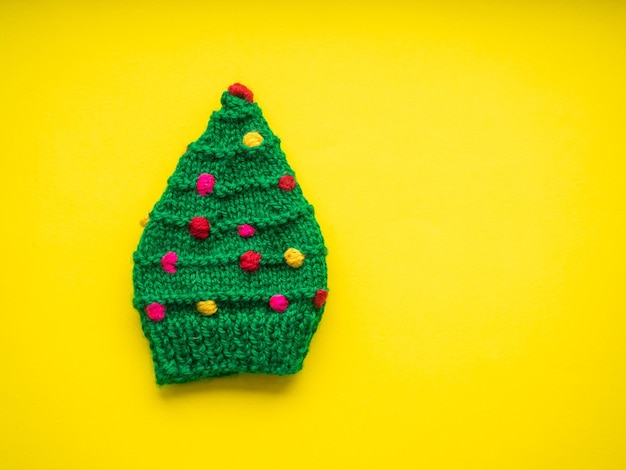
<point>230,271</point>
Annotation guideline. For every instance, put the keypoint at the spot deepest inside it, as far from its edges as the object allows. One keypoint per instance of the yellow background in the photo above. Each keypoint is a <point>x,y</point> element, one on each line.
<point>467,165</point>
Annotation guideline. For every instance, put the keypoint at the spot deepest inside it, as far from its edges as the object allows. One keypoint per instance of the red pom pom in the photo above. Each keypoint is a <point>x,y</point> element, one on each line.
<point>240,91</point>
<point>199,227</point>
<point>320,297</point>
<point>287,183</point>
<point>249,261</point>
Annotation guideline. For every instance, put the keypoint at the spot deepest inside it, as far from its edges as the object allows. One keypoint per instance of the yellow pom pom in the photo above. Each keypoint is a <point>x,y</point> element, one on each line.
<point>252,139</point>
<point>294,258</point>
<point>144,221</point>
<point>206,307</point>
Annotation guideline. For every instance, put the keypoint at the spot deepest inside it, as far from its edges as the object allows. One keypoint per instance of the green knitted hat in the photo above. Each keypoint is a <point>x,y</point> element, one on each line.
<point>230,271</point>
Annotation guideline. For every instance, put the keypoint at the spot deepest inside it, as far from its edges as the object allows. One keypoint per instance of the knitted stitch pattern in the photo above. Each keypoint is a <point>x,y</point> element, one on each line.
<point>230,271</point>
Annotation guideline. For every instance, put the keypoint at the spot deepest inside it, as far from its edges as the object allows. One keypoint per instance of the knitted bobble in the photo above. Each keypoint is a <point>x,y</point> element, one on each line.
<point>205,183</point>
<point>279,303</point>
<point>287,183</point>
<point>294,258</point>
<point>241,91</point>
<point>155,311</point>
<point>207,307</point>
<point>320,298</point>
<point>245,230</point>
<point>252,139</point>
<point>199,227</point>
<point>249,261</point>
<point>169,261</point>
<point>144,221</point>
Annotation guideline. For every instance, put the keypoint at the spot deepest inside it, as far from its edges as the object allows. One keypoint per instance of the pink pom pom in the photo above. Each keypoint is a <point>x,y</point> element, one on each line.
<point>245,230</point>
<point>205,184</point>
<point>279,303</point>
<point>169,261</point>
<point>155,311</point>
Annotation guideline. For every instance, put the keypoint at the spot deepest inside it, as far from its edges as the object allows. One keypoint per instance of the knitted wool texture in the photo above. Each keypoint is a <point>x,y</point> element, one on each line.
<point>230,271</point>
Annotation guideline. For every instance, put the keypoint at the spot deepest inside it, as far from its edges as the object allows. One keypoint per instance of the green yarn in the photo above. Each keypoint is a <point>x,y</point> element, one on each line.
<point>245,335</point>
